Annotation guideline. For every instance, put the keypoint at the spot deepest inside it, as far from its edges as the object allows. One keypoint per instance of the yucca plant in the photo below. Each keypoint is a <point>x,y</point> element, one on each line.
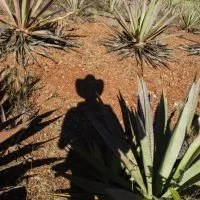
<point>190,15</point>
<point>139,37</point>
<point>153,163</point>
<point>29,30</point>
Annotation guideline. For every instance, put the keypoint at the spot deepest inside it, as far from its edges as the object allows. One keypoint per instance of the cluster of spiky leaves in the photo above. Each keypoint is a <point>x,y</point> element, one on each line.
<point>139,37</point>
<point>190,15</point>
<point>153,163</point>
<point>28,30</point>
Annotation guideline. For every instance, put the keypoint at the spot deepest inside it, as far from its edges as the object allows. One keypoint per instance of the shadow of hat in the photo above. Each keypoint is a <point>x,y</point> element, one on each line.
<point>89,87</point>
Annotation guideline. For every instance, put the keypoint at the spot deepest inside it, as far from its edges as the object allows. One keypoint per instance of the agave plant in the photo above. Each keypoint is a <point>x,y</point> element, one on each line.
<point>139,37</point>
<point>28,30</point>
<point>153,163</point>
<point>190,17</point>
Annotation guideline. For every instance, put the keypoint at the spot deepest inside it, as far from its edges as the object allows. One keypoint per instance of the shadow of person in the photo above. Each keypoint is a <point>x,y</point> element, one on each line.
<point>78,135</point>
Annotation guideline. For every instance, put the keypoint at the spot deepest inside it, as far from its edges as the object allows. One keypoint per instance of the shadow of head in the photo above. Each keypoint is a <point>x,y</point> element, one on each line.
<point>89,88</point>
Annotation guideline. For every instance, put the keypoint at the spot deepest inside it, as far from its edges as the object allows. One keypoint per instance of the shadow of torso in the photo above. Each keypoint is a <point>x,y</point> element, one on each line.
<point>78,135</point>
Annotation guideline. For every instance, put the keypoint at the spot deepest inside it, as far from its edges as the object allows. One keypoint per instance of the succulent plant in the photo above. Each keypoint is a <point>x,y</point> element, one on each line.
<point>153,163</point>
<point>140,31</point>
<point>29,30</point>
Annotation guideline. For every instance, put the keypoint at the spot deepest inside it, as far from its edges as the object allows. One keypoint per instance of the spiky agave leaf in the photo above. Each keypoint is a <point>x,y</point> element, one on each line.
<point>138,38</point>
<point>176,141</point>
<point>145,130</point>
<point>29,31</point>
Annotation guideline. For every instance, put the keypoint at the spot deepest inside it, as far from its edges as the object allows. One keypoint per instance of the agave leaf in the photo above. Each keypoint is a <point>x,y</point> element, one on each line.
<point>160,125</point>
<point>123,23</point>
<point>6,8</point>
<point>161,115</point>
<point>144,102</point>
<point>100,188</point>
<point>146,135</point>
<point>190,173</point>
<point>193,106</point>
<point>36,7</point>
<point>17,4</point>
<point>175,142</point>
<point>41,10</point>
<point>159,27</point>
<point>25,11</point>
<point>192,153</point>
<point>143,14</point>
<point>151,15</point>
<point>129,125</point>
<point>131,18</point>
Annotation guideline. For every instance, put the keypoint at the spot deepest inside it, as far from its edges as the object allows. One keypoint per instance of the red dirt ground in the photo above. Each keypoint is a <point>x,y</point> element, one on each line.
<point>59,81</point>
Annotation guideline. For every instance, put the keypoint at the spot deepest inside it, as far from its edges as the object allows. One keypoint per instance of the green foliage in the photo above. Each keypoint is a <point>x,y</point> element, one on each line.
<point>148,149</point>
<point>139,37</point>
<point>29,29</point>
